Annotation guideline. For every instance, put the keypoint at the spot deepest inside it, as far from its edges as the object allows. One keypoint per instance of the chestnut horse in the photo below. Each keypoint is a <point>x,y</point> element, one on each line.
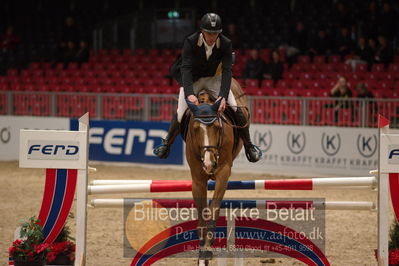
<point>210,151</point>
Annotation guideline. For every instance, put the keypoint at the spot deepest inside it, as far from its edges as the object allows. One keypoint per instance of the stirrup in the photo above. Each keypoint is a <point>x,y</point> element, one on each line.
<point>253,153</point>
<point>162,151</point>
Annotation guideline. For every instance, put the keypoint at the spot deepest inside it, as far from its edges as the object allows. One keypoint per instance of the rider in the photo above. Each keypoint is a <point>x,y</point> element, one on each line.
<point>196,69</point>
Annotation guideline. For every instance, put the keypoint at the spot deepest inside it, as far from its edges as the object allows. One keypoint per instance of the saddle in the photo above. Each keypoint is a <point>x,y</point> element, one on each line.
<point>205,97</point>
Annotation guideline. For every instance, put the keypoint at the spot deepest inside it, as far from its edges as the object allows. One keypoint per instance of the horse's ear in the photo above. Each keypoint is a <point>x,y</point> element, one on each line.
<point>215,106</point>
<point>192,106</point>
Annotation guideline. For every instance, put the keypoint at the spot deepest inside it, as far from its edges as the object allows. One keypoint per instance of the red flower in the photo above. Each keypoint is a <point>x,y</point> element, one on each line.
<point>40,248</point>
<point>66,248</point>
<point>394,257</point>
<point>17,242</point>
<point>11,250</point>
<point>51,256</point>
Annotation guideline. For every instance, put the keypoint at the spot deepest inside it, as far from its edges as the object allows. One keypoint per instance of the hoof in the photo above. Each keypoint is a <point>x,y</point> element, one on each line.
<point>205,255</point>
<point>203,262</point>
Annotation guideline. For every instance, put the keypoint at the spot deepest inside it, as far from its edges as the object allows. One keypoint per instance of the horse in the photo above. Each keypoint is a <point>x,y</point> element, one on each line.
<point>211,147</point>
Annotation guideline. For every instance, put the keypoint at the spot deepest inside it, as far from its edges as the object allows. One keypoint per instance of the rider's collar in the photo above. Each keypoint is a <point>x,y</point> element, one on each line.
<point>201,41</point>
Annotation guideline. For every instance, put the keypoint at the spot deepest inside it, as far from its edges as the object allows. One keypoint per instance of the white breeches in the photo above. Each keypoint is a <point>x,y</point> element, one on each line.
<point>213,85</point>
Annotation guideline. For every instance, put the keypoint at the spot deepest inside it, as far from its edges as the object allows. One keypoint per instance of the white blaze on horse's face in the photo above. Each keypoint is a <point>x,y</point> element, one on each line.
<point>207,155</point>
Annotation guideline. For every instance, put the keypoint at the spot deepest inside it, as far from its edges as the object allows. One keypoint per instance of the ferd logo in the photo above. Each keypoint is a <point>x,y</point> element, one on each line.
<point>296,142</point>
<point>367,145</point>
<point>263,140</point>
<point>393,154</point>
<point>330,143</point>
<point>53,150</point>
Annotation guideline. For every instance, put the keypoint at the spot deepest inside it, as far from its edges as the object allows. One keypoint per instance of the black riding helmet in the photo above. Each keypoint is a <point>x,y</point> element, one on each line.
<point>211,23</point>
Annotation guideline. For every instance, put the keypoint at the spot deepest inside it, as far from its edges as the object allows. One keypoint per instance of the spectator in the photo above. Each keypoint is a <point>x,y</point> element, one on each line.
<point>363,92</point>
<point>363,54</point>
<point>341,90</point>
<point>83,52</point>
<point>233,35</point>
<point>255,66</point>
<point>344,44</point>
<point>275,69</point>
<point>9,40</point>
<point>384,54</point>
<point>321,45</point>
<point>70,33</point>
<point>70,52</point>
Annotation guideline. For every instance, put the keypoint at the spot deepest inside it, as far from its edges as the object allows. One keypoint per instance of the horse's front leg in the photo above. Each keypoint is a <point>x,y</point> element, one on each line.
<point>222,177</point>
<point>199,190</point>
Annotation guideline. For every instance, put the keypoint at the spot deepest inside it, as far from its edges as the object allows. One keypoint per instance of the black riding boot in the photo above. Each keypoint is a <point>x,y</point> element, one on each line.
<point>162,151</point>
<point>252,151</point>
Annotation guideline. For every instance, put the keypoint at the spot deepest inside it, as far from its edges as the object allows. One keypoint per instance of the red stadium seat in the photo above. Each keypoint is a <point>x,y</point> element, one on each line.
<point>319,59</point>
<point>308,93</point>
<point>59,66</point>
<point>163,82</point>
<point>361,68</point>
<point>378,68</point>
<point>304,59</point>
<point>12,72</point>
<point>298,84</point>
<point>267,84</point>
<point>291,75</point>
<point>252,83</point>
<point>276,92</point>
<point>306,76</point>
<point>334,59</point>
<point>292,92</point>
<point>34,65</point>
<point>73,65</point>
<point>282,84</point>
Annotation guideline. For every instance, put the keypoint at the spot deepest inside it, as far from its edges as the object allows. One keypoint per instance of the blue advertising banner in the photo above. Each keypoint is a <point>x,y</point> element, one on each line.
<point>129,141</point>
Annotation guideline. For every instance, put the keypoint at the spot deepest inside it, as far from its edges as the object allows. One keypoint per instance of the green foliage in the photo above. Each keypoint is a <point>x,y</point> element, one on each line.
<point>394,236</point>
<point>65,234</point>
<point>32,231</point>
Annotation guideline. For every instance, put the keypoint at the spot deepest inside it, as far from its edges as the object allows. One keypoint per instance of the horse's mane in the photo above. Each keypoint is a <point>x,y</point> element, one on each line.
<point>205,97</point>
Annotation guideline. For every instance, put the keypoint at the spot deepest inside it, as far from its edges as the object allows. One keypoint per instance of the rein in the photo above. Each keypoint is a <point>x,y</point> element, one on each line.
<point>236,126</point>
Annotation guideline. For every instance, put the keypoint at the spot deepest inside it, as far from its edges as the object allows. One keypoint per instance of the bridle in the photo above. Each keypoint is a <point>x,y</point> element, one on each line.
<point>215,150</point>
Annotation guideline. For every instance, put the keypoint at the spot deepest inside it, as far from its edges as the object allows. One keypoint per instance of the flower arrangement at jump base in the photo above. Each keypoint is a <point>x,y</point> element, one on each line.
<point>393,245</point>
<point>29,249</point>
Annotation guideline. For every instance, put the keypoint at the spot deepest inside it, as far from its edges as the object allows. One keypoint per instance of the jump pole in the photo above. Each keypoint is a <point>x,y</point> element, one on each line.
<point>150,186</point>
<point>317,181</point>
<point>261,204</point>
